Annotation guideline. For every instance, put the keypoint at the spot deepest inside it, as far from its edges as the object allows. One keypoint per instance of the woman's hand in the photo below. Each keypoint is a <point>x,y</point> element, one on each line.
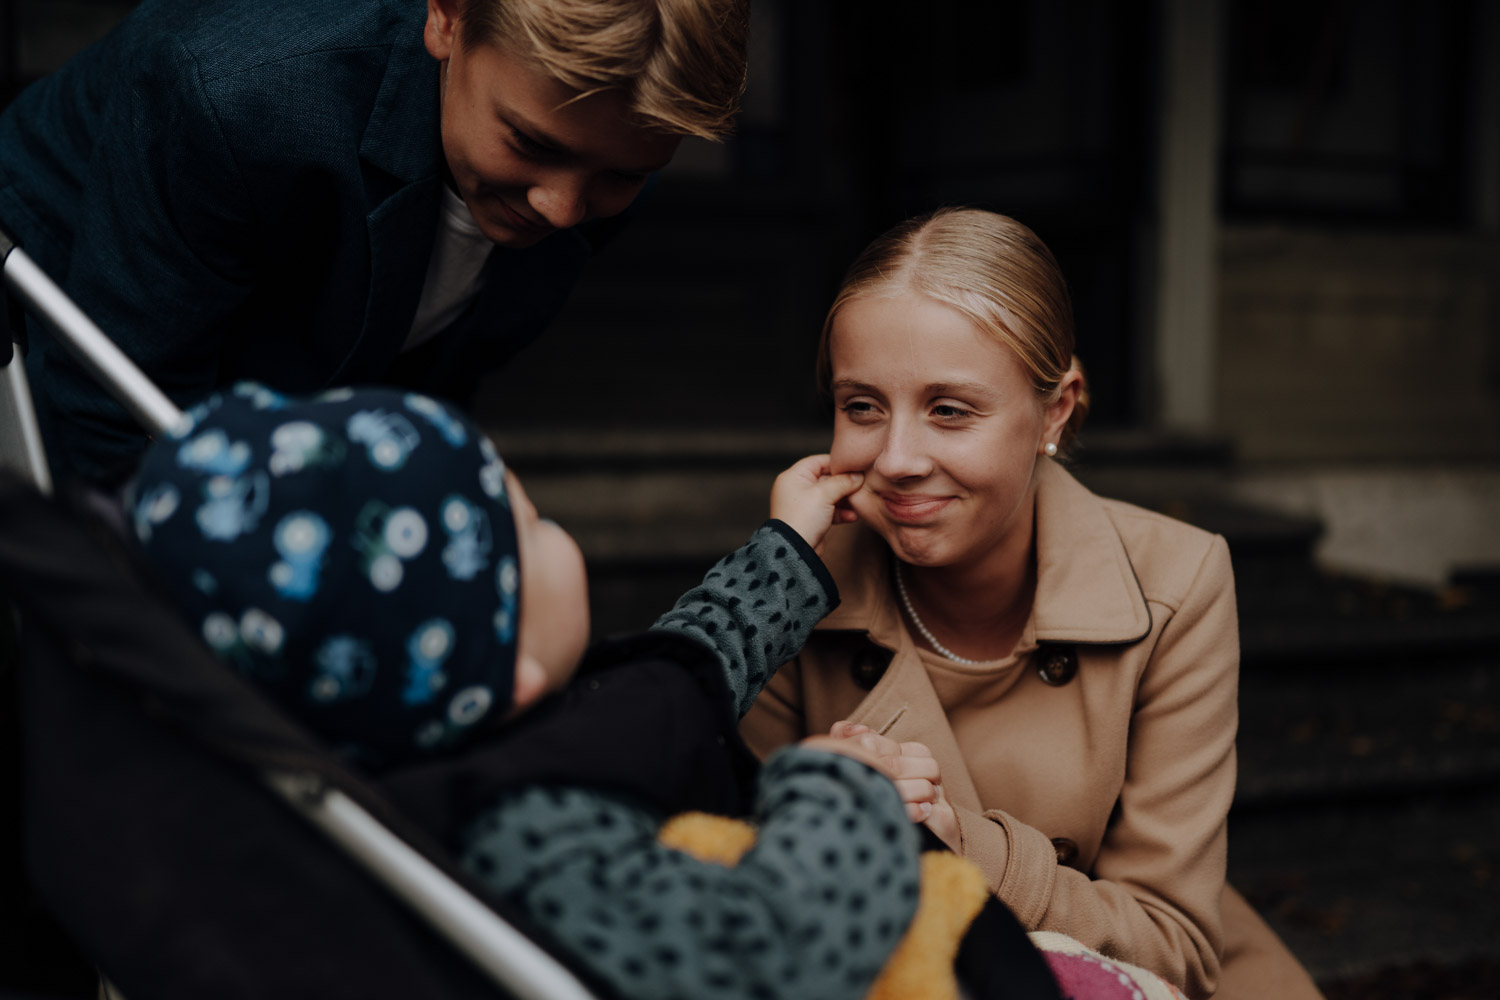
<point>916,774</point>
<point>810,499</point>
<point>852,750</point>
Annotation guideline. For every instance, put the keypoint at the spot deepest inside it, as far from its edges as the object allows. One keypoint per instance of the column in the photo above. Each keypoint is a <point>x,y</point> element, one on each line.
<point>1187,246</point>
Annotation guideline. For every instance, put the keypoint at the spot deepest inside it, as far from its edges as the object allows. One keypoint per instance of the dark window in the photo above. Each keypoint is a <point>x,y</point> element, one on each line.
<point>1347,110</point>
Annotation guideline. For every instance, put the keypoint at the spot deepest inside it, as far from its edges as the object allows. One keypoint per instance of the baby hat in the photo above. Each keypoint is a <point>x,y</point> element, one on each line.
<point>353,553</point>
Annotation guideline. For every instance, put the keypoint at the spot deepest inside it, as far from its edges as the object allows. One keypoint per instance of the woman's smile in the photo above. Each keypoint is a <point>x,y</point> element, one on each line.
<point>913,508</point>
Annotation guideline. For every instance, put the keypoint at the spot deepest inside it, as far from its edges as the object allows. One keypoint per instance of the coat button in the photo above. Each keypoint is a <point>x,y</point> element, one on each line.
<point>1067,851</point>
<point>868,667</point>
<point>1057,665</point>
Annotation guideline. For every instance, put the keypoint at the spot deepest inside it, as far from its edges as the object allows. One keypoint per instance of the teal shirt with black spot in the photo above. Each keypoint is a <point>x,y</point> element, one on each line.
<point>812,910</point>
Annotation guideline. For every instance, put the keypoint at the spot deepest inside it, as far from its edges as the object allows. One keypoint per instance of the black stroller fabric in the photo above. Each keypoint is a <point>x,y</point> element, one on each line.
<point>647,718</point>
<point>179,875</point>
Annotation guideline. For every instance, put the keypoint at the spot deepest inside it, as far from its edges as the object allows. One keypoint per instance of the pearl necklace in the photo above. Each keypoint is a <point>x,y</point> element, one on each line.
<point>937,647</point>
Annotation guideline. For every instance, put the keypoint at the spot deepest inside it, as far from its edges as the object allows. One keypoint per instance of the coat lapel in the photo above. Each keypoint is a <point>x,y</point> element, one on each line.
<point>1086,590</point>
<point>402,160</point>
<point>402,229</point>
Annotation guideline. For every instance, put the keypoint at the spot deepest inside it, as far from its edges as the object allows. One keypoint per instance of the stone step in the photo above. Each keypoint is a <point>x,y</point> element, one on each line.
<point>1386,728</point>
<point>1302,616</point>
<point>1381,885</point>
<point>1467,979</point>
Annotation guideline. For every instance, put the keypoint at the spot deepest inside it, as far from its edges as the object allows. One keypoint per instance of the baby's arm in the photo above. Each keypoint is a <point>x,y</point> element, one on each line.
<point>813,909</point>
<point>758,605</point>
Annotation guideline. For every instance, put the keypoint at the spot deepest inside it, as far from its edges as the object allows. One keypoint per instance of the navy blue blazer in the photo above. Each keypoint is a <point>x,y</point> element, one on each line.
<point>250,189</point>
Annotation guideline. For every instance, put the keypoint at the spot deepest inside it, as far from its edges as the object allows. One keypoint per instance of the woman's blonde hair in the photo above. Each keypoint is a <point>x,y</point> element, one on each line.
<point>990,268</point>
<point>680,63</point>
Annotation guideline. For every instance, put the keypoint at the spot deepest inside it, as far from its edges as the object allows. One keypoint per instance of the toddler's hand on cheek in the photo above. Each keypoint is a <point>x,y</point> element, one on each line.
<point>811,499</point>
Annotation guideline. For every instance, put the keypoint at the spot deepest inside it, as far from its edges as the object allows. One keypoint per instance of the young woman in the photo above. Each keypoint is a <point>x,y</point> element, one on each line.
<point>1054,674</point>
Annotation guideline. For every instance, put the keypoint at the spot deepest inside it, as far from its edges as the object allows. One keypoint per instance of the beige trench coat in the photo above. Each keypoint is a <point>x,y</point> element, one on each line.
<point>1108,764</point>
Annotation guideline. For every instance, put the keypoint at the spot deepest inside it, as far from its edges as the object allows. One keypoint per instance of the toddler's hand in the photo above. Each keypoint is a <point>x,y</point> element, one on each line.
<point>810,499</point>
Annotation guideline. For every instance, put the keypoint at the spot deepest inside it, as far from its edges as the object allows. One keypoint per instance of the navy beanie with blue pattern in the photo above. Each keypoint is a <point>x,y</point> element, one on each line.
<point>354,553</point>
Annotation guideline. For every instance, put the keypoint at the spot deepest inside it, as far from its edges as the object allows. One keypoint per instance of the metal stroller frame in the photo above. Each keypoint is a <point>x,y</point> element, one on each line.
<point>502,954</point>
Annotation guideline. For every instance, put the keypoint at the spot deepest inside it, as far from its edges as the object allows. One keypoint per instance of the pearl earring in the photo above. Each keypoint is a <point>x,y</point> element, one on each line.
<point>1049,449</point>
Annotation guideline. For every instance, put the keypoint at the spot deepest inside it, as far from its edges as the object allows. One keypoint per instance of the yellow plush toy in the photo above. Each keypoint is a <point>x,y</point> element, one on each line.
<point>921,967</point>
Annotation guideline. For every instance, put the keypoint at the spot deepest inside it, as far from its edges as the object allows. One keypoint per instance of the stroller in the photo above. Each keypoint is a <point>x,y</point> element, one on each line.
<point>170,867</point>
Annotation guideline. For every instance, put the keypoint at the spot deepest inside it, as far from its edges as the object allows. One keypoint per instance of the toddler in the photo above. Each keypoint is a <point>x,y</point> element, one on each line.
<point>365,556</point>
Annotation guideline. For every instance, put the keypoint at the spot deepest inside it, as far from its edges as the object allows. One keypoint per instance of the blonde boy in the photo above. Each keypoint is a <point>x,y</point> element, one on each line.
<point>312,192</point>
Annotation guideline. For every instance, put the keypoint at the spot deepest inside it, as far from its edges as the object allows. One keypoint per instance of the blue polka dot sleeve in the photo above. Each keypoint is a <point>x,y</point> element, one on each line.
<point>756,607</point>
<point>812,910</point>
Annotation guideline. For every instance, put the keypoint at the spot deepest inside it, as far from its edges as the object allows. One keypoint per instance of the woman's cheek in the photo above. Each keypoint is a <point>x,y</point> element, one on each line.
<point>851,451</point>
<point>854,452</point>
<point>866,504</point>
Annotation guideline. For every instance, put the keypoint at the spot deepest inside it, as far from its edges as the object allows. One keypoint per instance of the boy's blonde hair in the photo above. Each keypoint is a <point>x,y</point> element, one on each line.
<point>991,269</point>
<point>680,63</point>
